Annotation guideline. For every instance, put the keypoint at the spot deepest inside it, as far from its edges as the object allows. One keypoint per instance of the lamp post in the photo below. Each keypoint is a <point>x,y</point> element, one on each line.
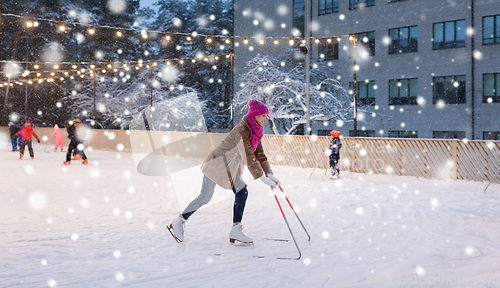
<point>307,43</point>
<point>353,39</point>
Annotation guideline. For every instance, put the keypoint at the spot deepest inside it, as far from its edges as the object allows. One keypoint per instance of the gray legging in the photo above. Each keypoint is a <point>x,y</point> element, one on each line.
<point>206,193</point>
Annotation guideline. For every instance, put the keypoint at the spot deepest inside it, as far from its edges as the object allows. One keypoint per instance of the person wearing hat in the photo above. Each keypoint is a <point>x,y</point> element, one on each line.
<point>224,167</point>
<point>59,138</point>
<point>13,129</point>
<point>27,131</point>
<point>334,150</point>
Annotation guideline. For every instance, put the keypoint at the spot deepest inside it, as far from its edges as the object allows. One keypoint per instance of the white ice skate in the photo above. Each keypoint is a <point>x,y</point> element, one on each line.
<point>236,234</point>
<point>176,228</point>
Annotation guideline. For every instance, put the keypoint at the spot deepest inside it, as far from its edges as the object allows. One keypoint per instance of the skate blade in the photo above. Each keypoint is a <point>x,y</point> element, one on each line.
<point>172,233</point>
<point>239,243</point>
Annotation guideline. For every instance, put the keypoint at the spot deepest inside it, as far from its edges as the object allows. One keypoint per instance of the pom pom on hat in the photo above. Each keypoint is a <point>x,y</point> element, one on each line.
<point>256,108</point>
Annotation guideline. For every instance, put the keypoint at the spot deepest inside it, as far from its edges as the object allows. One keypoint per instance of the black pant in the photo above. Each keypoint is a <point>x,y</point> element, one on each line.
<point>74,146</point>
<point>30,148</point>
<point>334,162</point>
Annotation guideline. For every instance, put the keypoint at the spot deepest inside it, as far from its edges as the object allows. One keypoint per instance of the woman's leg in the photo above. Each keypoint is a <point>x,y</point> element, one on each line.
<point>240,199</point>
<point>206,193</point>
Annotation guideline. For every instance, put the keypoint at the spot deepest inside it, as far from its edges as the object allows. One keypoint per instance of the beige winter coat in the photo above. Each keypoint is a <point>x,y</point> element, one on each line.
<point>224,164</point>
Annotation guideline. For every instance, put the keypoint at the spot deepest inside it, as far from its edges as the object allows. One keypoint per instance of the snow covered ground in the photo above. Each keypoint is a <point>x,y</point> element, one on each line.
<point>103,225</point>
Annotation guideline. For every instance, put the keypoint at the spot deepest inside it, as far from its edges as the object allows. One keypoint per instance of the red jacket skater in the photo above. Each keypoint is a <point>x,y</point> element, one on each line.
<point>27,130</point>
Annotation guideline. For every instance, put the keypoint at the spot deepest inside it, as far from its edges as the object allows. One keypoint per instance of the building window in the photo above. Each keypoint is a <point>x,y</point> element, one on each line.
<point>403,91</point>
<point>448,134</point>
<point>491,88</point>
<point>324,132</point>
<point>449,34</point>
<point>450,89</point>
<point>366,40</point>
<point>355,4</point>
<point>491,29</point>
<point>403,40</point>
<point>365,91</point>
<point>393,1</point>
<point>328,49</point>
<point>298,15</point>
<point>491,135</point>
<point>328,6</point>
<point>362,133</point>
<point>403,134</point>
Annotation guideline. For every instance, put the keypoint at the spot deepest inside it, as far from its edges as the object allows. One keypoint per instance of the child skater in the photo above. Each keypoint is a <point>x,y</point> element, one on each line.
<point>59,138</point>
<point>76,133</point>
<point>27,131</point>
<point>224,167</point>
<point>13,129</point>
<point>334,147</point>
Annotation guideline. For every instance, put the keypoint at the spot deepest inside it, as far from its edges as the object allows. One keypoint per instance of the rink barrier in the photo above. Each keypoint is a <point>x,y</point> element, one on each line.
<point>475,160</point>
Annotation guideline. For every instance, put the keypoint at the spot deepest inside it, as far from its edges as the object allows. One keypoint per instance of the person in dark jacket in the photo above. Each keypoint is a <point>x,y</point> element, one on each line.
<point>27,131</point>
<point>13,129</point>
<point>76,134</point>
<point>334,147</point>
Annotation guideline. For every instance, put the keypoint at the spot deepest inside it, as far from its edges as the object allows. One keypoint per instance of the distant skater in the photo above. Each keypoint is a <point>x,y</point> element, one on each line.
<point>13,129</point>
<point>76,134</point>
<point>27,131</point>
<point>334,147</point>
<point>59,138</point>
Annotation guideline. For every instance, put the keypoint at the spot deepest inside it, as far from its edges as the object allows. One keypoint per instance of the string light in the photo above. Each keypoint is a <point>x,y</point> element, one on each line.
<point>209,40</point>
<point>168,37</point>
<point>261,41</point>
<point>62,28</point>
<point>188,38</point>
<point>29,24</point>
<point>317,41</point>
<point>227,41</point>
<point>56,67</point>
<point>245,41</point>
<point>36,66</point>
<point>329,40</point>
<point>119,33</point>
<point>276,42</point>
<point>291,42</point>
<point>91,31</point>
<point>74,66</point>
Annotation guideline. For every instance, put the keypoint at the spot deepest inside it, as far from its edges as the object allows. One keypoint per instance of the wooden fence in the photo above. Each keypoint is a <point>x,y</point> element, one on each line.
<point>429,158</point>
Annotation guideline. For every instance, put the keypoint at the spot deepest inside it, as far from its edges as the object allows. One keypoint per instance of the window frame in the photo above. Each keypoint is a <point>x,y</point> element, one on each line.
<point>450,44</point>
<point>456,135</point>
<point>299,18</point>
<point>369,45</point>
<point>355,4</point>
<point>323,49</point>
<point>366,133</point>
<point>496,135</point>
<point>365,100</point>
<point>458,99</point>
<point>408,134</point>
<point>397,48</point>
<point>495,98</point>
<point>410,100</point>
<point>325,11</point>
<point>495,28</point>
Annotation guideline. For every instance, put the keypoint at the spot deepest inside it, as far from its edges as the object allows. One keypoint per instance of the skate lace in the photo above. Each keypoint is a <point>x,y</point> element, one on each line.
<point>241,228</point>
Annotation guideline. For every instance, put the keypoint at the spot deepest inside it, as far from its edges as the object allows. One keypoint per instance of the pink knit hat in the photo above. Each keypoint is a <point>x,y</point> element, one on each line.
<point>256,108</point>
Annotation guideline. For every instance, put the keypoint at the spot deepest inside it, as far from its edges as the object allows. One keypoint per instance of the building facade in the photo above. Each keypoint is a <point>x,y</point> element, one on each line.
<point>429,68</point>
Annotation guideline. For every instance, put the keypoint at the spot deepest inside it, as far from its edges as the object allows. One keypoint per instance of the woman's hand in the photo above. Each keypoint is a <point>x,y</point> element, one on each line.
<point>268,181</point>
<point>274,179</point>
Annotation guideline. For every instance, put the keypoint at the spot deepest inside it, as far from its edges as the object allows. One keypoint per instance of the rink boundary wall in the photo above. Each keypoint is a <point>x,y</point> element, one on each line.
<point>475,160</point>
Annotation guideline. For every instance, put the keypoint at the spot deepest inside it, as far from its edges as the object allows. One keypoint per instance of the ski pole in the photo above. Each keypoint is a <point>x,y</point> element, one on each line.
<point>490,181</point>
<point>296,215</point>
<point>317,164</point>
<point>287,225</point>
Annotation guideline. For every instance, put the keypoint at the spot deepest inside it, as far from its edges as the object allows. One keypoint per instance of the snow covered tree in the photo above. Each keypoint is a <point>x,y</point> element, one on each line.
<point>283,90</point>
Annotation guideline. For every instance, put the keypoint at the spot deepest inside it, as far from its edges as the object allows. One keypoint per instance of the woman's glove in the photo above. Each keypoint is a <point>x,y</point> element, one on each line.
<point>268,181</point>
<point>38,140</point>
<point>274,179</point>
